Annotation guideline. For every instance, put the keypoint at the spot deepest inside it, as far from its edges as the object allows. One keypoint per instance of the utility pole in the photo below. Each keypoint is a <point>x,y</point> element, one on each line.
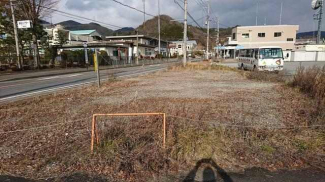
<point>218,36</point>
<point>208,30</point>
<point>185,34</point>
<point>257,13</point>
<point>16,33</point>
<point>144,14</point>
<point>218,29</point>
<point>320,17</point>
<point>159,27</point>
<point>137,52</point>
<point>281,13</point>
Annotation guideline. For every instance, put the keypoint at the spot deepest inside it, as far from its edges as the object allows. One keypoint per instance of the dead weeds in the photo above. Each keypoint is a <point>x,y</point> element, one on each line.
<point>53,132</point>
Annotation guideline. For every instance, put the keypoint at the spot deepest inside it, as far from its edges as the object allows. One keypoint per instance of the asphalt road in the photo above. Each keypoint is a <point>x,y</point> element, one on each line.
<point>290,67</point>
<point>19,89</point>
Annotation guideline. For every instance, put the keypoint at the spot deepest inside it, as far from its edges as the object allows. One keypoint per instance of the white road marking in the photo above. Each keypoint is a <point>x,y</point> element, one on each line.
<point>69,76</point>
<point>48,78</point>
<point>154,65</point>
<point>63,76</point>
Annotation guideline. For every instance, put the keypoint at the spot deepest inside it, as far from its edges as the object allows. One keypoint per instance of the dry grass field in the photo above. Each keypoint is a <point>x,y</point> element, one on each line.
<point>212,112</point>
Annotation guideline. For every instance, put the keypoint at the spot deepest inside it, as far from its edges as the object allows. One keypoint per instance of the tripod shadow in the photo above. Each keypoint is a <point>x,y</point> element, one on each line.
<point>209,172</point>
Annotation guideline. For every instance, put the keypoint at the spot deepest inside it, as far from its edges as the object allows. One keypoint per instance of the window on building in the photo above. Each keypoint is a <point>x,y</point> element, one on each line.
<point>148,51</point>
<point>234,36</point>
<point>179,46</point>
<point>289,39</point>
<point>261,34</point>
<point>277,34</point>
<point>115,53</point>
<point>245,35</point>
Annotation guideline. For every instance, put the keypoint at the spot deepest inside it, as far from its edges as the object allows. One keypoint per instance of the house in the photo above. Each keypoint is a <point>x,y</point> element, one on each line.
<point>176,47</point>
<point>77,36</point>
<point>148,46</point>
<point>283,36</point>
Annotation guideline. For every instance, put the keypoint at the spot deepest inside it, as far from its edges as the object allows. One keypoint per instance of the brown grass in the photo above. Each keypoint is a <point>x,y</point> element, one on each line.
<point>312,82</point>
<point>266,76</point>
<point>131,147</point>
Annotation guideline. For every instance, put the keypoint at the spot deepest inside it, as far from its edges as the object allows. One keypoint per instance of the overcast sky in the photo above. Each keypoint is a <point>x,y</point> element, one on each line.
<point>231,12</point>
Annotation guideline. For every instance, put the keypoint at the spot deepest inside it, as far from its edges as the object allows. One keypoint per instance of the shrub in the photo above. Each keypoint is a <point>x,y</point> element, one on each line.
<point>267,76</point>
<point>312,82</point>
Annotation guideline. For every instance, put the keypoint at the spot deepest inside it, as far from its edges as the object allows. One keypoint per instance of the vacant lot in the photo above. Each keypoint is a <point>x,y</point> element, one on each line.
<point>212,112</point>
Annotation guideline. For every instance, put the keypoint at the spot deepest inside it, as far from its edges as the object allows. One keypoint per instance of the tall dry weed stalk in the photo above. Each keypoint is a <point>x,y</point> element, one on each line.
<point>312,82</point>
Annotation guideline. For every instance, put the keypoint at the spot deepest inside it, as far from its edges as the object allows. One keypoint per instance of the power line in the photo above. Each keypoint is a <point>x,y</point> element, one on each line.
<point>107,24</point>
<point>70,15</point>
<point>133,8</point>
<point>188,15</point>
<point>82,20</point>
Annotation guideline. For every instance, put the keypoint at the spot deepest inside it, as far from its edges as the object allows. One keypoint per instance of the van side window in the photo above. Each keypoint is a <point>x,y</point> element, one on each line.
<point>256,53</point>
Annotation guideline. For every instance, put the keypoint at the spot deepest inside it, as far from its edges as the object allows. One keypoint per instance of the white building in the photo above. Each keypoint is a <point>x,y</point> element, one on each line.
<point>54,34</point>
<point>176,47</point>
<point>148,46</point>
<point>283,36</point>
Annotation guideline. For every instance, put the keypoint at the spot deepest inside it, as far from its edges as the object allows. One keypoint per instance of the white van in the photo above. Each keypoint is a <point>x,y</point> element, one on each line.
<point>261,59</point>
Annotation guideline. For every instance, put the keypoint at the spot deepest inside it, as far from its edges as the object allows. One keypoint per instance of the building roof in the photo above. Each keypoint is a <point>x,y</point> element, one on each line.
<point>189,42</point>
<point>82,32</point>
<point>260,26</point>
<point>125,36</point>
<point>132,36</point>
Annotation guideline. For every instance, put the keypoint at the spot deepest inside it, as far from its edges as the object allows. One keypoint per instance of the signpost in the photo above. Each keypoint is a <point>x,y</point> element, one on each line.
<point>96,66</point>
<point>24,24</point>
<point>20,64</point>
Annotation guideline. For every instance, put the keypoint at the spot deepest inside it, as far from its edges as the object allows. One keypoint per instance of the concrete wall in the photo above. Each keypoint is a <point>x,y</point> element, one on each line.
<point>307,56</point>
<point>254,41</point>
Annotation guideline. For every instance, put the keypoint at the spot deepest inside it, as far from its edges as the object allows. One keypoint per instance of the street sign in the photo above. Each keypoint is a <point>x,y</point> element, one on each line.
<point>85,44</point>
<point>24,24</point>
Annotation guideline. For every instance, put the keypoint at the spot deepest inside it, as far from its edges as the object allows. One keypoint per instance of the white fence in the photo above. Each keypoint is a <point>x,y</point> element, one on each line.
<point>306,56</point>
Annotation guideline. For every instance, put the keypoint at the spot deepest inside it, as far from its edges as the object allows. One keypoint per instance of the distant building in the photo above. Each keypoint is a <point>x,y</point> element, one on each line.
<point>176,47</point>
<point>53,33</point>
<point>283,36</point>
<point>148,46</point>
<point>269,35</point>
<point>77,36</point>
<point>73,37</point>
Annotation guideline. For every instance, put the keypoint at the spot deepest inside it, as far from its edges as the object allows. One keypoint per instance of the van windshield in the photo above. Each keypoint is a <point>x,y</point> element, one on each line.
<point>267,53</point>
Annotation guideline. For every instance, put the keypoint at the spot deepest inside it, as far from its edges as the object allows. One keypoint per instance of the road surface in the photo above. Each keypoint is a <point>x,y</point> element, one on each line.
<point>12,90</point>
<point>290,67</point>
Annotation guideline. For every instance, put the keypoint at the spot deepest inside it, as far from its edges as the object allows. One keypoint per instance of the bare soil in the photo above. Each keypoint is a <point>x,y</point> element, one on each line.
<point>211,113</point>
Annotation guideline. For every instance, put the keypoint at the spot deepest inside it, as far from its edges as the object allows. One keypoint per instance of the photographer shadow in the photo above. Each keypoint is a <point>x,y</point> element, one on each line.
<point>209,172</point>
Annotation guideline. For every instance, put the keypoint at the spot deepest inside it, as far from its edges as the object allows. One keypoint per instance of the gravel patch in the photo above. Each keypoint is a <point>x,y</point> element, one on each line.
<point>225,92</point>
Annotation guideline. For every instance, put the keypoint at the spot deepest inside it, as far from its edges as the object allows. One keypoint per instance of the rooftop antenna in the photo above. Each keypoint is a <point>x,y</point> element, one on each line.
<point>257,12</point>
<point>144,14</point>
<point>281,13</point>
<point>315,5</point>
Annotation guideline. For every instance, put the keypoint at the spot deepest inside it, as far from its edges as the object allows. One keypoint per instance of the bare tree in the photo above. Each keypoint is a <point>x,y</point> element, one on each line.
<point>34,10</point>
